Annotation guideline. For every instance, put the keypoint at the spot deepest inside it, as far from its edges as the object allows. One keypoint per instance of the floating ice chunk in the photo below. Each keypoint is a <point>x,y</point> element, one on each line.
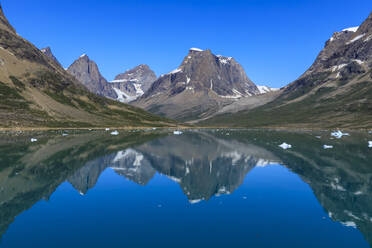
<point>338,134</point>
<point>115,133</point>
<point>285,146</point>
<point>327,147</point>
<point>33,140</point>
<point>107,129</point>
<point>370,144</point>
<point>177,132</point>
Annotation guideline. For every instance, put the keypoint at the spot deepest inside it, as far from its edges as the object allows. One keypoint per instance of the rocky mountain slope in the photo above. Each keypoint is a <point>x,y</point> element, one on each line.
<point>48,52</point>
<point>336,91</point>
<point>199,87</point>
<point>86,71</point>
<point>37,92</point>
<point>133,83</point>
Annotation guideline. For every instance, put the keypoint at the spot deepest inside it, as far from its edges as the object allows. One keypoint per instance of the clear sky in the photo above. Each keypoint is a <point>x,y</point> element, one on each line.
<point>275,41</point>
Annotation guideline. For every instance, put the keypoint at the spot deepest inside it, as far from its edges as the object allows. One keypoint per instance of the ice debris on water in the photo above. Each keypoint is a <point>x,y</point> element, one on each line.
<point>285,146</point>
<point>177,132</point>
<point>33,140</point>
<point>115,133</point>
<point>327,147</point>
<point>338,134</point>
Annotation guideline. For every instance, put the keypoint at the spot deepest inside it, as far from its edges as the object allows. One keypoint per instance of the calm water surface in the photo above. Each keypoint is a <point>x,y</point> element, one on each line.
<point>211,188</point>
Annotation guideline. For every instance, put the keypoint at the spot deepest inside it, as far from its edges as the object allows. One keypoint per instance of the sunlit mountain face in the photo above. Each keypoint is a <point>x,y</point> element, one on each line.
<point>157,185</point>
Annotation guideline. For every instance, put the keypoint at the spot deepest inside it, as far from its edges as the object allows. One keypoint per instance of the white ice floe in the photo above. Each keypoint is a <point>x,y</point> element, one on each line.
<point>338,134</point>
<point>285,146</point>
<point>33,140</point>
<point>370,144</point>
<point>177,132</point>
<point>115,133</point>
<point>327,147</point>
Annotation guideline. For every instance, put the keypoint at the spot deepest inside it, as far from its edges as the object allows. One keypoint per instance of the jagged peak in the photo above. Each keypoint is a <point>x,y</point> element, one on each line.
<point>46,49</point>
<point>83,56</point>
<point>194,49</point>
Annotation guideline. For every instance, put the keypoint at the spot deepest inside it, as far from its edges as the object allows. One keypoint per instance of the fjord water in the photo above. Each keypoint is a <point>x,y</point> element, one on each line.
<point>211,188</point>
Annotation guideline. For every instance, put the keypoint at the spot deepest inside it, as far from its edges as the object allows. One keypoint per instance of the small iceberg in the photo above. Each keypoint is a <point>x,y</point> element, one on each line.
<point>33,140</point>
<point>327,147</point>
<point>370,144</point>
<point>338,134</point>
<point>285,146</point>
<point>115,133</point>
<point>177,132</point>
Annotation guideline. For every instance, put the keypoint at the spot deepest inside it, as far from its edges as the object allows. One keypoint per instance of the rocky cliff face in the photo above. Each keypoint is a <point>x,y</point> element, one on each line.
<point>48,52</point>
<point>346,55</point>
<point>133,83</point>
<point>201,85</point>
<point>86,71</point>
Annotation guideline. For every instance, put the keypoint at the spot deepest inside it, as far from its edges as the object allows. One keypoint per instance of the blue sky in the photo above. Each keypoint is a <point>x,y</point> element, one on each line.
<point>275,41</point>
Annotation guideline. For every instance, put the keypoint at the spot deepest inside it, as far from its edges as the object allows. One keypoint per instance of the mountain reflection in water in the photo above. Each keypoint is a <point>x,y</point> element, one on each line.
<point>204,163</point>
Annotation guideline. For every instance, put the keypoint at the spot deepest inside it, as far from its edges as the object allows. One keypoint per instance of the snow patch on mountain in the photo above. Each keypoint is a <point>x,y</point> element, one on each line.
<point>352,29</point>
<point>265,89</point>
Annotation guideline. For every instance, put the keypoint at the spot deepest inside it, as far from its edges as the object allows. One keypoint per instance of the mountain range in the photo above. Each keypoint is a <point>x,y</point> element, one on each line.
<point>335,92</point>
<point>37,92</point>
<point>205,89</point>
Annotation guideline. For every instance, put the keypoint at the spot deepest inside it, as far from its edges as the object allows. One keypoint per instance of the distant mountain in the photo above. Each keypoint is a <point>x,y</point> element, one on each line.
<point>336,91</point>
<point>48,52</point>
<point>199,87</point>
<point>133,83</point>
<point>266,89</point>
<point>35,91</point>
<point>86,71</point>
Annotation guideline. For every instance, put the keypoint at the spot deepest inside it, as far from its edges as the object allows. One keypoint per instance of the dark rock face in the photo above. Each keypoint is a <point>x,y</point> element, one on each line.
<point>202,84</point>
<point>346,54</point>
<point>133,83</point>
<point>48,52</point>
<point>86,71</point>
<point>204,71</point>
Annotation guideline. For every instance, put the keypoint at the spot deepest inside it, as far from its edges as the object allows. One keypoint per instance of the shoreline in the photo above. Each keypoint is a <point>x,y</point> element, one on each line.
<point>293,129</point>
